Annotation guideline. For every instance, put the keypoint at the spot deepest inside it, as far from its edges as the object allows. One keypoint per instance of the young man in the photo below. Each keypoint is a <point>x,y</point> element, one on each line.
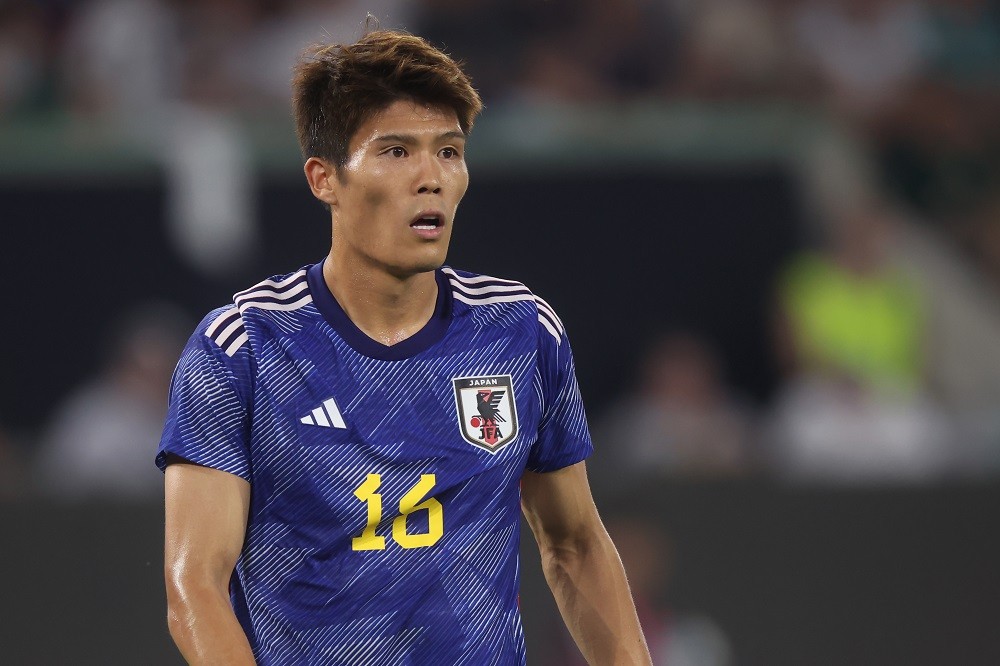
<point>348,445</point>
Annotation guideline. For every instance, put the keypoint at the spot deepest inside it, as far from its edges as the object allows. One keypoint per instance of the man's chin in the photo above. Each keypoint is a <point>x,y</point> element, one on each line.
<point>429,268</point>
<point>429,262</point>
<point>418,268</point>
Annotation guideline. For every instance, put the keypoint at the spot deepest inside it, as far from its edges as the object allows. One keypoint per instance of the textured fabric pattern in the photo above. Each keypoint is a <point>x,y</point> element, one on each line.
<point>378,534</point>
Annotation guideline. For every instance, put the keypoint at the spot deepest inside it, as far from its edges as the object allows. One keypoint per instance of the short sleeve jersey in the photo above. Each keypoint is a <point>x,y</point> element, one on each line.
<point>385,499</point>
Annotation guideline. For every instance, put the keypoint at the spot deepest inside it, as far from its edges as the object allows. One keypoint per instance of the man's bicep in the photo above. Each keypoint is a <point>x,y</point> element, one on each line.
<point>206,519</point>
<point>558,505</point>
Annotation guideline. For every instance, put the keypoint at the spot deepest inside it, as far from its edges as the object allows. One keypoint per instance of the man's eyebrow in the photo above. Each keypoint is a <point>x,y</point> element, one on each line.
<point>411,139</point>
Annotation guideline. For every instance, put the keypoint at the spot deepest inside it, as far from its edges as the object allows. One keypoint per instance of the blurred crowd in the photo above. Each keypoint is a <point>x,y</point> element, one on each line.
<point>917,81</point>
<point>901,69</point>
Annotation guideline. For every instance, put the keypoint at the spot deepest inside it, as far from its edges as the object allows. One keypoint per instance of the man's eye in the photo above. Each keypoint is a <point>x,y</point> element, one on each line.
<point>449,153</point>
<point>397,152</point>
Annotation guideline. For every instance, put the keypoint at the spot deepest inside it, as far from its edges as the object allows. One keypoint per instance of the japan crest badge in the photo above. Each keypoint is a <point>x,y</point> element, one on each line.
<point>487,416</point>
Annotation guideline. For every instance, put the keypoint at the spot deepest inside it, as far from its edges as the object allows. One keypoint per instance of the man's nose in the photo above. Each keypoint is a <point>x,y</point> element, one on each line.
<point>429,176</point>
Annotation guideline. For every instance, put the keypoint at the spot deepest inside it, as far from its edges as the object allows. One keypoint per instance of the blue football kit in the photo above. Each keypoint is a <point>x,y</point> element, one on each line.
<point>384,514</point>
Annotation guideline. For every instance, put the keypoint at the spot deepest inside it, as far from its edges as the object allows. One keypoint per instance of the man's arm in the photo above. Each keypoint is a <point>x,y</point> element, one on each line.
<point>582,567</point>
<point>206,518</point>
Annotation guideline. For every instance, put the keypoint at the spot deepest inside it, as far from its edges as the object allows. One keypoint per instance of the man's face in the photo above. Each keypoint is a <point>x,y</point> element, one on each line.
<point>397,195</point>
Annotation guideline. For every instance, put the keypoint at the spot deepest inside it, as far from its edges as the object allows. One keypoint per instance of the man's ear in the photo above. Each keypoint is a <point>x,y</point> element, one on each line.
<point>322,178</point>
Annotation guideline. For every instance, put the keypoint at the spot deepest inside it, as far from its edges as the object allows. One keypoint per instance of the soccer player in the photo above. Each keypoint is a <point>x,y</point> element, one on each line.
<point>348,447</point>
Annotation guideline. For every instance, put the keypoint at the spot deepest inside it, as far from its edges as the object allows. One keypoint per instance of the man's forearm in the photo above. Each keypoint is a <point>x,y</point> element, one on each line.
<point>204,627</point>
<point>590,588</point>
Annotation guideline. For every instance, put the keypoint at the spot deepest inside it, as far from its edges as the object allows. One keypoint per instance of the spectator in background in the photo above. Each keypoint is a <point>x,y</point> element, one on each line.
<point>630,44</point>
<point>121,62</point>
<point>942,150</point>
<point>737,49</point>
<point>282,34</point>
<point>850,313</point>
<point>215,45</point>
<point>489,55</point>
<point>97,443</point>
<point>24,56</point>
<point>867,51</point>
<point>597,52</point>
<point>852,338</point>
<point>682,419</point>
<point>963,45</point>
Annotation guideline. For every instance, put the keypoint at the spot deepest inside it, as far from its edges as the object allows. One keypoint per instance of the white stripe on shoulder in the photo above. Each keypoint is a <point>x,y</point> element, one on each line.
<point>493,289</point>
<point>236,344</point>
<point>265,292</point>
<point>481,300</point>
<point>228,315</point>
<point>548,327</point>
<point>502,291</point>
<point>290,293</point>
<point>547,317</point>
<point>276,284</point>
<point>475,279</point>
<point>544,309</point>
<point>227,331</point>
<point>281,307</point>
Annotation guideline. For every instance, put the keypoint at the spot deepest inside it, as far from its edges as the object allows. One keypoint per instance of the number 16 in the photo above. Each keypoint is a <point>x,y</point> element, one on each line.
<point>410,503</point>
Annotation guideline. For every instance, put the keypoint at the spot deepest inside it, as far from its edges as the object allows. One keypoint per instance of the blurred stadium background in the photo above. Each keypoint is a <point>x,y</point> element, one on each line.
<point>772,228</point>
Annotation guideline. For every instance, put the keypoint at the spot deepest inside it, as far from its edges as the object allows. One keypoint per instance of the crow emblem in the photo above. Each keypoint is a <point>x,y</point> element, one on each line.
<point>487,414</point>
<point>486,404</point>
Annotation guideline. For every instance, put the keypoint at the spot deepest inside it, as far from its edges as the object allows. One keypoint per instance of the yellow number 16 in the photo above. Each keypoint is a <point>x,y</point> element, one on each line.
<point>410,503</point>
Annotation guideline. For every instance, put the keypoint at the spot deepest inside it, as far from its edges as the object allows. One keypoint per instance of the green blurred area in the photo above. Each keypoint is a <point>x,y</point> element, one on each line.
<point>542,138</point>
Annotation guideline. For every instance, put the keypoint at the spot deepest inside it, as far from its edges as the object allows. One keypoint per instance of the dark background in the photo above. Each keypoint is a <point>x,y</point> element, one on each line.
<point>620,254</point>
<point>794,576</point>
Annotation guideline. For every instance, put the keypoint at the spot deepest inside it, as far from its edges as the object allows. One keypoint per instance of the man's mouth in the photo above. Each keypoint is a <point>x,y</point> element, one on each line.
<point>428,221</point>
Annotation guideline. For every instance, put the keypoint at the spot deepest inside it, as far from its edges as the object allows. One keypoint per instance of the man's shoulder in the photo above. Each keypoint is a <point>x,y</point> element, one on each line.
<point>475,290</point>
<point>277,295</point>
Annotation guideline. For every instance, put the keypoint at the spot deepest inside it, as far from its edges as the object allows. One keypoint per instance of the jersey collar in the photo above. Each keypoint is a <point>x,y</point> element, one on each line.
<point>423,339</point>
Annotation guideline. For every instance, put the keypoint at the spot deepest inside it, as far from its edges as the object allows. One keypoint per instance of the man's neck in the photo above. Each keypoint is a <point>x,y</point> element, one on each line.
<point>386,308</point>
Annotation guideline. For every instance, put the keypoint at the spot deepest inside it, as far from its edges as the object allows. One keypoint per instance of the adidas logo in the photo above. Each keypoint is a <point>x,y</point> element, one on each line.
<point>326,415</point>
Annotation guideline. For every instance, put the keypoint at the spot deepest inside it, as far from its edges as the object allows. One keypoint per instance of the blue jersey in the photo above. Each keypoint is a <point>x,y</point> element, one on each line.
<point>385,499</point>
